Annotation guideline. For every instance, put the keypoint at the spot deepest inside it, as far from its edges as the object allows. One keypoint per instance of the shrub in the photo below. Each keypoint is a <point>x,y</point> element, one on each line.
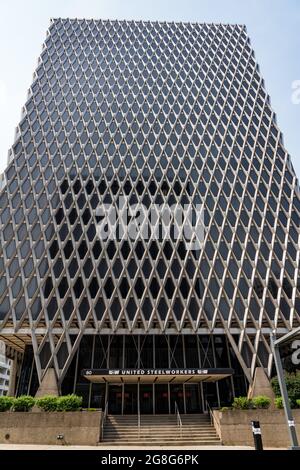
<point>242,403</point>
<point>261,402</point>
<point>292,384</point>
<point>91,409</point>
<point>47,403</point>
<point>23,403</point>
<point>298,403</point>
<point>69,403</point>
<point>6,403</point>
<point>279,403</point>
<point>225,408</point>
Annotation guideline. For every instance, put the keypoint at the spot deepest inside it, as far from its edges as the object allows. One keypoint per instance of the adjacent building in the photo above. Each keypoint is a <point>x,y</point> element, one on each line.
<point>159,115</point>
<point>5,364</point>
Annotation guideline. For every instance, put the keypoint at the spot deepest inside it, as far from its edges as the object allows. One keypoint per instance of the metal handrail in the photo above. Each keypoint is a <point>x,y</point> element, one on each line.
<point>105,413</point>
<point>139,418</point>
<point>179,421</point>
<point>212,418</point>
<point>209,410</point>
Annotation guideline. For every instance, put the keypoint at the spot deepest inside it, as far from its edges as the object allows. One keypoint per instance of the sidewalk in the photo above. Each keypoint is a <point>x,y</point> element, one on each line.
<point>100,448</point>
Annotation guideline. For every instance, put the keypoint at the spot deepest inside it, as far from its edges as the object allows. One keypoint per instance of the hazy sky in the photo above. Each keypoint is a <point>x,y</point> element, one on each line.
<point>273,26</point>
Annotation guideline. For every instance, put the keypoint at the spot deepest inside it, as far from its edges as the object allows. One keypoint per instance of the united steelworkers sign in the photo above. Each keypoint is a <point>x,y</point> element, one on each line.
<point>145,372</point>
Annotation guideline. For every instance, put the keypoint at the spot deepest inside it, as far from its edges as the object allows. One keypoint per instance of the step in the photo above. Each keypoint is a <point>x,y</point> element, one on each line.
<point>158,424</point>
<point>157,431</point>
<point>178,442</point>
<point>157,439</point>
<point>157,417</point>
<point>169,436</point>
<point>157,436</point>
<point>160,439</point>
<point>160,435</point>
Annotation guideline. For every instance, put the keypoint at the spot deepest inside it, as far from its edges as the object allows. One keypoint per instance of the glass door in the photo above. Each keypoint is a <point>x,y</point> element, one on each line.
<point>176,395</point>
<point>130,399</point>
<point>161,399</point>
<point>192,398</point>
<point>146,399</point>
<point>115,399</point>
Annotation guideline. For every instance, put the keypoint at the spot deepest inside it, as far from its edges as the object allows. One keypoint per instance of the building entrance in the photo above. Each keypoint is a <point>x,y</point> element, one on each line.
<point>155,372</point>
<point>154,398</point>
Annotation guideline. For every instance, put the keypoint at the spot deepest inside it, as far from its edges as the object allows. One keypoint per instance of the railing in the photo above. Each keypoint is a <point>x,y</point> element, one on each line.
<point>139,417</point>
<point>213,421</point>
<point>179,421</point>
<point>104,417</point>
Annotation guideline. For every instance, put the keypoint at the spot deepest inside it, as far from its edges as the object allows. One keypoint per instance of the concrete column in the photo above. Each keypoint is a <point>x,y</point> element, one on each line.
<point>48,385</point>
<point>261,385</point>
<point>12,378</point>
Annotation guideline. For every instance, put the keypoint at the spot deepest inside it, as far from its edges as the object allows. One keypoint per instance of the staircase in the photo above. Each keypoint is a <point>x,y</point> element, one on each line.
<point>159,430</point>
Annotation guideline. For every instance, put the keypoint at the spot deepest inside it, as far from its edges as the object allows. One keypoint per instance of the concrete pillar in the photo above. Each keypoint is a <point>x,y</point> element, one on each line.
<point>261,385</point>
<point>12,378</point>
<point>49,385</point>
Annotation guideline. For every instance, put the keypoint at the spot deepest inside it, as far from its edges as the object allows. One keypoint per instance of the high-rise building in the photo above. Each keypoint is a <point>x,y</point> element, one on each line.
<point>4,371</point>
<point>161,116</point>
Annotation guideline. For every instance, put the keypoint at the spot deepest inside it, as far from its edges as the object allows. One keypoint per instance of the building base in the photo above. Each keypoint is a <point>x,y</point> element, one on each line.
<point>261,385</point>
<point>48,385</point>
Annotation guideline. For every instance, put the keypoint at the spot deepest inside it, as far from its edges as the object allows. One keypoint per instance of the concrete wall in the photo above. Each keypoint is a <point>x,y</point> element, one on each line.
<point>234,427</point>
<point>78,427</point>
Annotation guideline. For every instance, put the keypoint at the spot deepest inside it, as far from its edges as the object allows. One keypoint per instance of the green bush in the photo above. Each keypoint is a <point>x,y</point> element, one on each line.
<point>292,384</point>
<point>242,403</point>
<point>6,403</point>
<point>225,408</point>
<point>261,402</point>
<point>298,403</point>
<point>69,403</point>
<point>91,409</point>
<point>47,403</point>
<point>278,403</point>
<point>23,403</point>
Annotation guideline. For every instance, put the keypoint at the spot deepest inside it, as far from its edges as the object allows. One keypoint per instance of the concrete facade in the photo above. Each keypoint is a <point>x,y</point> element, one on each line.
<point>48,385</point>
<point>77,428</point>
<point>5,365</point>
<point>261,385</point>
<point>166,114</point>
<point>234,427</point>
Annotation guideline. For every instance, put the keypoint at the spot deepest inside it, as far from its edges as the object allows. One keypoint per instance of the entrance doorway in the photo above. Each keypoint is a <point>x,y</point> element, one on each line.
<point>154,398</point>
<point>162,399</point>
<point>130,399</point>
<point>140,391</point>
<point>146,399</point>
<point>115,393</point>
<point>192,394</point>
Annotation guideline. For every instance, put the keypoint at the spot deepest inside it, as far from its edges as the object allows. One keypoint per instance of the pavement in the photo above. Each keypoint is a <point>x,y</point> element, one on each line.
<point>102,447</point>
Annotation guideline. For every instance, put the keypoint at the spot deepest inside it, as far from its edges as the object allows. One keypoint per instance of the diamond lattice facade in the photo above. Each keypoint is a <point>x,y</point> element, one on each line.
<point>161,113</point>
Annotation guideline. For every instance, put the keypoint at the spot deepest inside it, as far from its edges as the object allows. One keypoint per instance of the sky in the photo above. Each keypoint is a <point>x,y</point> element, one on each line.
<point>273,27</point>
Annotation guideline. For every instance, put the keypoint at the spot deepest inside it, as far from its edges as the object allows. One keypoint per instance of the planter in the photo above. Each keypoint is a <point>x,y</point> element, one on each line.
<point>234,426</point>
<point>75,427</point>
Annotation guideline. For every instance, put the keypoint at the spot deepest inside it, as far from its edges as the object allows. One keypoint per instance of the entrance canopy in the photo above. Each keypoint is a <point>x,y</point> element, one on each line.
<point>117,376</point>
